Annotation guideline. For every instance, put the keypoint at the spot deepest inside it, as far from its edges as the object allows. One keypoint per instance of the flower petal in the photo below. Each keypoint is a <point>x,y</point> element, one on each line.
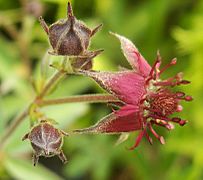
<point>136,60</point>
<point>128,86</point>
<point>124,120</point>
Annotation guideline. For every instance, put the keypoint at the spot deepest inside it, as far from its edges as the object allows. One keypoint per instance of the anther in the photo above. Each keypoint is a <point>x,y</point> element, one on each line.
<point>180,94</point>
<point>176,119</point>
<point>182,122</point>
<point>148,138</point>
<point>184,82</point>
<point>162,140</point>
<point>188,98</point>
<point>179,108</point>
<point>173,62</point>
<point>155,66</point>
<point>138,140</point>
<point>169,126</point>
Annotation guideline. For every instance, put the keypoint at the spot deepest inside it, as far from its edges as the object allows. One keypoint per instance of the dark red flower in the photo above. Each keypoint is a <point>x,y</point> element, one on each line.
<point>147,100</point>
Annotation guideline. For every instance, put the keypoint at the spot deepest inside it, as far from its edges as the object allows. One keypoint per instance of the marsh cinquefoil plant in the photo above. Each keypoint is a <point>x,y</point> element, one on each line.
<point>142,98</point>
<point>146,100</point>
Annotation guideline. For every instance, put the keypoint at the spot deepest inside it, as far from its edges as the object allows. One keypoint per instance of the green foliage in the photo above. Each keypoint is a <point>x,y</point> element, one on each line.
<point>173,27</point>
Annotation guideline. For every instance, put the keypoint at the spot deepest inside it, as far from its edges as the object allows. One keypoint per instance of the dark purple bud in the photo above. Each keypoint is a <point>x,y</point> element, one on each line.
<point>46,141</point>
<point>69,36</point>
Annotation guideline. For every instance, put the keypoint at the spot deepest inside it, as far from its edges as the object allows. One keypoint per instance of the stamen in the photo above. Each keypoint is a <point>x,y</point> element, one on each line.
<point>165,83</point>
<point>179,76</point>
<point>173,62</point>
<point>165,125</point>
<point>138,140</point>
<point>180,94</point>
<point>159,118</point>
<point>179,108</point>
<point>160,138</point>
<point>185,82</point>
<point>186,98</point>
<point>148,138</point>
<point>179,121</point>
<point>170,82</point>
<point>154,67</point>
<point>183,122</point>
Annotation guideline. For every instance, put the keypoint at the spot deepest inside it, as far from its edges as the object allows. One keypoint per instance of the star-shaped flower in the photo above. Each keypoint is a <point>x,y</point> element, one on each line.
<point>146,99</point>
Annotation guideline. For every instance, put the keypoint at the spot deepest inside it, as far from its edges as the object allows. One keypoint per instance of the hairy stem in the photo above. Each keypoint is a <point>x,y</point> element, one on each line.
<point>14,124</point>
<point>16,121</point>
<point>53,81</point>
<point>89,98</point>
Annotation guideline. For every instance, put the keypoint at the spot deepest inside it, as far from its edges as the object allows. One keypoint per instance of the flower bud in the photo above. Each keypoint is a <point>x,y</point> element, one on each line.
<point>69,36</point>
<point>46,141</point>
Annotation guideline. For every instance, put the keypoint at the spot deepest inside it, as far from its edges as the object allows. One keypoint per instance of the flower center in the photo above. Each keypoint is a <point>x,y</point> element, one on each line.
<point>163,104</point>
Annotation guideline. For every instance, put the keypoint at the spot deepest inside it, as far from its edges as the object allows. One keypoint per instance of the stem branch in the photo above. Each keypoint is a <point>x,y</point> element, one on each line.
<point>14,124</point>
<point>89,98</point>
<point>16,121</point>
<point>51,82</point>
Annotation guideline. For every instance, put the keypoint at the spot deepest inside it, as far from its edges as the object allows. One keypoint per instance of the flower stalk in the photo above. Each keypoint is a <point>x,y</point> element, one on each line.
<point>89,98</point>
<point>11,128</point>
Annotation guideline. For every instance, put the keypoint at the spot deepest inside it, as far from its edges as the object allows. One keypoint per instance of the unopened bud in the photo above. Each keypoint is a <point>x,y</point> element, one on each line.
<point>46,141</point>
<point>69,36</point>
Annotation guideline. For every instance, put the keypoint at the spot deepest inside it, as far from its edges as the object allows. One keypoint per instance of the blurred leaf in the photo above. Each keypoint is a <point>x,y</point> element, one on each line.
<point>22,169</point>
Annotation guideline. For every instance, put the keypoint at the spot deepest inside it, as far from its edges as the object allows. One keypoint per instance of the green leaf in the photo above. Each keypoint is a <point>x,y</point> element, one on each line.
<point>22,169</point>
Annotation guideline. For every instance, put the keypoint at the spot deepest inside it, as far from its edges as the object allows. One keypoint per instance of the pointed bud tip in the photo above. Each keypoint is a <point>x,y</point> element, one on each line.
<point>114,34</point>
<point>70,11</point>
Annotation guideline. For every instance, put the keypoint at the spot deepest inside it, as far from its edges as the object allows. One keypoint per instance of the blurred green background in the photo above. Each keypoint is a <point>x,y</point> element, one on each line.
<point>174,27</point>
